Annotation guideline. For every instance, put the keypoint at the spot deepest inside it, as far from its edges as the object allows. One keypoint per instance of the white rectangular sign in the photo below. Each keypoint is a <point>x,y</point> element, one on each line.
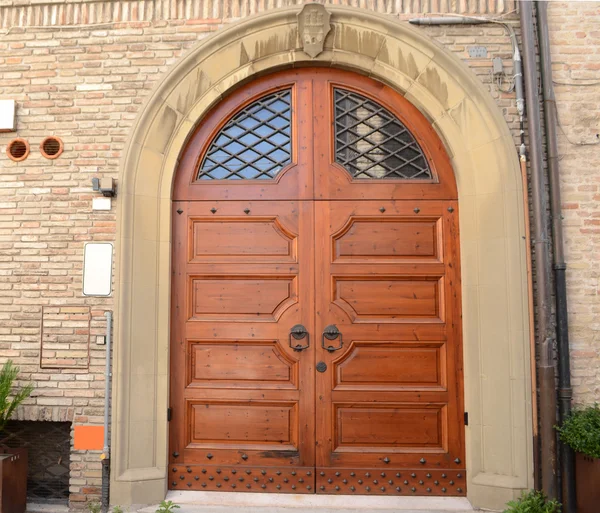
<point>101,203</point>
<point>97,269</point>
<point>7,116</point>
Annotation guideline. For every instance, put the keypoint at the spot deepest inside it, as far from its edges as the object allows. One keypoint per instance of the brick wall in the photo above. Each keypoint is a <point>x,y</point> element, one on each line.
<point>85,82</point>
<point>575,39</point>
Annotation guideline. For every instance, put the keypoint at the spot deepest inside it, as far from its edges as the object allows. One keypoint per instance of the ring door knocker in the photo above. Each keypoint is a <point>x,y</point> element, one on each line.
<point>330,333</point>
<point>299,332</point>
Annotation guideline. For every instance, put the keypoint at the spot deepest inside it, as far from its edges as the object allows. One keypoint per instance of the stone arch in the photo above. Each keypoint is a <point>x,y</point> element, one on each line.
<point>496,317</point>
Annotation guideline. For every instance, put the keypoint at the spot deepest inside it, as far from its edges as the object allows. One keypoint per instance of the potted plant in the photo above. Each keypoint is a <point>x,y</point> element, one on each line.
<point>13,462</point>
<point>581,432</point>
<point>533,501</point>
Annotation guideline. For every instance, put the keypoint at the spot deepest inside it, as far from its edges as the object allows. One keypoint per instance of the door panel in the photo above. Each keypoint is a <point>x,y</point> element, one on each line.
<point>389,298</point>
<point>391,366</point>
<point>243,240</point>
<point>387,240</point>
<point>243,397</point>
<point>249,424</point>
<point>390,398</point>
<point>375,427</point>
<point>257,364</point>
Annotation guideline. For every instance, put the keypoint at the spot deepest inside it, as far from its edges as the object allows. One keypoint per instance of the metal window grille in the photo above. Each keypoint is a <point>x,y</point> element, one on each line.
<point>48,447</point>
<point>254,144</point>
<point>370,142</point>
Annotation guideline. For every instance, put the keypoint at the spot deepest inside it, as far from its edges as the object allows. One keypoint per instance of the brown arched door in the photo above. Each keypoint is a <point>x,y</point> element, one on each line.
<point>316,316</point>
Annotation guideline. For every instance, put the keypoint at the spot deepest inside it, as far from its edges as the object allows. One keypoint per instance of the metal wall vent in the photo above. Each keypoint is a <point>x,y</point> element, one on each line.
<point>17,150</point>
<point>51,147</point>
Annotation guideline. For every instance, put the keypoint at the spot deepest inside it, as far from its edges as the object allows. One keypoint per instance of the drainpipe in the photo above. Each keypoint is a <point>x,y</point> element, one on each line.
<point>105,456</point>
<point>448,20</point>
<point>565,392</point>
<point>545,362</point>
<point>545,369</point>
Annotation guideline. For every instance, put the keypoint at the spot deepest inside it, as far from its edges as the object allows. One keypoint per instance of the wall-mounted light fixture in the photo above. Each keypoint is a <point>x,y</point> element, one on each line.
<point>105,185</point>
<point>108,189</point>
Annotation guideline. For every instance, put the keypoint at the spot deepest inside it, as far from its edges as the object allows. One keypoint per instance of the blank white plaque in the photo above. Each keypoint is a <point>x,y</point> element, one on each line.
<point>97,269</point>
<point>7,116</point>
<point>101,203</point>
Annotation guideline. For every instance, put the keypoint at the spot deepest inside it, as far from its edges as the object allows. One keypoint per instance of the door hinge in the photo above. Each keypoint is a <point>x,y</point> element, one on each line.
<point>466,418</point>
<point>169,414</point>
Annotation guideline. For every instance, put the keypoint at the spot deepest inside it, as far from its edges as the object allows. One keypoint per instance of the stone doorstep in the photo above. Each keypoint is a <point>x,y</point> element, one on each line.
<point>39,507</point>
<point>240,502</point>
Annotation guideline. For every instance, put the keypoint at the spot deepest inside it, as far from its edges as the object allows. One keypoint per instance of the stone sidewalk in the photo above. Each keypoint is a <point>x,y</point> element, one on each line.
<point>215,502</point>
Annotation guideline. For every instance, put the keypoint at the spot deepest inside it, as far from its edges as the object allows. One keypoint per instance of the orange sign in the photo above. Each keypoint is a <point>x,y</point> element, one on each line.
<point>89,438</point>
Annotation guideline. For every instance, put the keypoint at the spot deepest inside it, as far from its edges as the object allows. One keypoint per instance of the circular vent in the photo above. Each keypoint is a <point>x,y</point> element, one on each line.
<point>51,147</point>
<point>18,149</point>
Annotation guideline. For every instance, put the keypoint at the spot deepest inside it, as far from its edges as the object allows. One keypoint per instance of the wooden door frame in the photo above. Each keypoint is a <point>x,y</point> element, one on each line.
<point>482,152</point>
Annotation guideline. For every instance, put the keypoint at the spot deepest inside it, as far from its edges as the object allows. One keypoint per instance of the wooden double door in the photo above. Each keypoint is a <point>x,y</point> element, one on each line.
<point>316,326</point>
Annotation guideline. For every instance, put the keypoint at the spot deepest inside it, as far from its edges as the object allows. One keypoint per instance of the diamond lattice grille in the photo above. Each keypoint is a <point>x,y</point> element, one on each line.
<point>370,142</point>
<point>48,447</point>
<point>254,144</point>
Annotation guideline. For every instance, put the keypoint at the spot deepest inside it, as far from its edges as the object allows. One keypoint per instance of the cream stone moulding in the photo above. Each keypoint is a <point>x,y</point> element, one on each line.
<point>495,323</point>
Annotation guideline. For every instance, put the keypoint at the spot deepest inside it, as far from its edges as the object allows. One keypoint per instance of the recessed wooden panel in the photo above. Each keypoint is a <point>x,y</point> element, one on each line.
<point>390,366</point>
<point>382,239</point>
<point>390,298</point>
<point>257,298</point>
<point>392,426</point>
<point>239,364</point>
<point>252,422</point>
<point>243,240</point>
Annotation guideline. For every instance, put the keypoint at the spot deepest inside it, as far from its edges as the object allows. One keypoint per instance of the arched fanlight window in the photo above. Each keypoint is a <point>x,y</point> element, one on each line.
<point>255,144</point>
<point>370,142</point>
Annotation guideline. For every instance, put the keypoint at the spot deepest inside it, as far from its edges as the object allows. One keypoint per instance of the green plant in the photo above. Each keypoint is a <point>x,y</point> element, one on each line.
<point>533,502</point>
<point>10,397</point>
<point>117,509</point>
<point>94,507</point>
<point>581,431</point>
<point>167,507</point>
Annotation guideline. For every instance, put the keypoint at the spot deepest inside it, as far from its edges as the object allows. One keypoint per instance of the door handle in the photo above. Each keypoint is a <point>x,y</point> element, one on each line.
<point>331,332</point>
<point>298,332</point>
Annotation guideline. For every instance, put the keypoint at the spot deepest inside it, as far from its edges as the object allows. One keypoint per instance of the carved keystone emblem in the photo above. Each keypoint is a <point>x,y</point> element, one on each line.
<point>313,25</point>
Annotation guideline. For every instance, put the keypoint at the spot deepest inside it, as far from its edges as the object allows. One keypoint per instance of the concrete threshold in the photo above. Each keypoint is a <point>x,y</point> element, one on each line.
<point>240,502</point>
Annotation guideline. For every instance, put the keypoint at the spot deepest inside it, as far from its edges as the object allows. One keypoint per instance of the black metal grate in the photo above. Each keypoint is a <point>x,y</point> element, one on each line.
<point>370,142</point>
<point>48,447</point>
<point>254,144</point>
